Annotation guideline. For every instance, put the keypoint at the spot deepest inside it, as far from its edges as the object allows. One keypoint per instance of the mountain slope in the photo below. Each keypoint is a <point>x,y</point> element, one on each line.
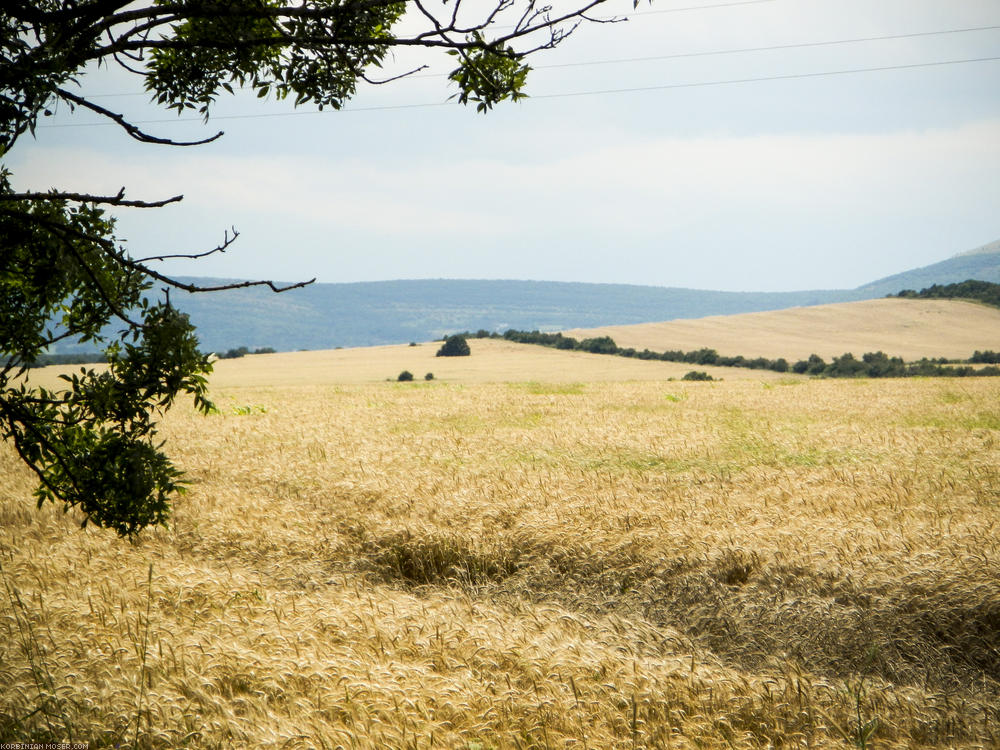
<point>982,264</point>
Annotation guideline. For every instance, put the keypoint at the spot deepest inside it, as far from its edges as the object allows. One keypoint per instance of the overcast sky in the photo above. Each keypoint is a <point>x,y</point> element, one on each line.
<point>737,171</point>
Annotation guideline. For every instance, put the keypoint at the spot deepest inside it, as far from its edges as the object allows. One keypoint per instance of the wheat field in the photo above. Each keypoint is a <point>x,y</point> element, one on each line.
<point>532,558</point>
<point>908,328</point>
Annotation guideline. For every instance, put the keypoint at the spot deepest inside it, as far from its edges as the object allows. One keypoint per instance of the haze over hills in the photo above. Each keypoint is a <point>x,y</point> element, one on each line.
<point>325,316</point>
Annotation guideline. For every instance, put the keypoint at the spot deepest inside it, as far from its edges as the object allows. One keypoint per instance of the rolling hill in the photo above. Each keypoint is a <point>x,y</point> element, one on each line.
<point>982,263</point>
<point>326,316</point>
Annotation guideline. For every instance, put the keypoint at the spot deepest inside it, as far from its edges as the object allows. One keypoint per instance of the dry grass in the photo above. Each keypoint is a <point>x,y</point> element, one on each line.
<point>908,328</point>
<point>560,563</point>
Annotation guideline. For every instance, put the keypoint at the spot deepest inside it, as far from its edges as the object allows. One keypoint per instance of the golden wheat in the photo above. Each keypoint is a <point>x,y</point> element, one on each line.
<point>546,564</point>
<point>908,328</point>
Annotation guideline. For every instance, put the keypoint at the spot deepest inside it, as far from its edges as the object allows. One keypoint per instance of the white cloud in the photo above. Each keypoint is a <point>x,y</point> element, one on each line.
<point>699,211</point>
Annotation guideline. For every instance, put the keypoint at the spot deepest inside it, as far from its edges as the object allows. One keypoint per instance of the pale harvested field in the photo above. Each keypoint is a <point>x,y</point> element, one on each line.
<point>493,361</point>
<point>907,328</point>
<point>562,563</point>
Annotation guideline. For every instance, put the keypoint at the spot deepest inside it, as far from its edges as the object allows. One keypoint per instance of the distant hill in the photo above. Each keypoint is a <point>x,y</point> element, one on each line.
<point>981,264</point>
<point>325,316</point>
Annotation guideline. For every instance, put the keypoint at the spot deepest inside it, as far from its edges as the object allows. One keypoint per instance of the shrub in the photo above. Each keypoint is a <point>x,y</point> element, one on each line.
<point>404,376</point>
<point>702,357</point>
<point>815,364</point>
<point>845,366</point>
<point>454,346</point>
<point>988,357</point>
<point>881,365</point>
<point>429,376</point>
<point>697,375</point>
<point>599,345</point>
<point>243,351</point>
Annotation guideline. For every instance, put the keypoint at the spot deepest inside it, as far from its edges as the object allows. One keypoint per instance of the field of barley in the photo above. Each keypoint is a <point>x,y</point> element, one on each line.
<point>908,328</point>
<point>531,550</point>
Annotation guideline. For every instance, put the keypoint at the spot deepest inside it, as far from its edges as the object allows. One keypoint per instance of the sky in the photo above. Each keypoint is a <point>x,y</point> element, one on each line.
<point>668,150</point>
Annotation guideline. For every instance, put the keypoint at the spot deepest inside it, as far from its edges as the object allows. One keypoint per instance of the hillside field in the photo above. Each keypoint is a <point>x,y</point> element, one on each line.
<point>492,361</point>
<point>907,328</point>
<point>537,549</point>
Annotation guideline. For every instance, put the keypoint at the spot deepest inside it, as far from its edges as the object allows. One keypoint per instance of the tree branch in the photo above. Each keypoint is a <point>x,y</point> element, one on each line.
<point>226,242</point>
<point>116,200</point>
<point>129,128</point>
<point>223,287</point>
<point>384,81</point>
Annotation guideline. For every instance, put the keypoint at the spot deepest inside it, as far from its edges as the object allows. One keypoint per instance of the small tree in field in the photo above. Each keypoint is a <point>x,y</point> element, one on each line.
<point>697,375</point>
<point>454,346</point>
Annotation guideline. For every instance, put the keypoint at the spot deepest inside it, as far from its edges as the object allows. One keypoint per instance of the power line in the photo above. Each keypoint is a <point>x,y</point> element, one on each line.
<point>710,53</point>
<point>785,77</point>
<point>798,45</point>
<point>564,95</point>
<point>687,8</point>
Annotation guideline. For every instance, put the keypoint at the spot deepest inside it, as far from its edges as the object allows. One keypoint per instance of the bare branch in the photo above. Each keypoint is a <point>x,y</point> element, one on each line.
<point>226,242</point>
<point>384,81</point>
<point>551,25</point>
<point>223,287</point>
<point>118,59</point>
<point>129,128</point>
<point>116,200</point>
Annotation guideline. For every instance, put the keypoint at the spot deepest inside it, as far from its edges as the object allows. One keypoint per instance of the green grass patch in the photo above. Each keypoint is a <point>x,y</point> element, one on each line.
<point>967,422</point>
<point>549,389</point>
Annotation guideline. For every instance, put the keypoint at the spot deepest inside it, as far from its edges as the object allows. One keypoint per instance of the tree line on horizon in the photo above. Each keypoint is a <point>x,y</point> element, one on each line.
<point>982,291</point>
<point>871,365</point>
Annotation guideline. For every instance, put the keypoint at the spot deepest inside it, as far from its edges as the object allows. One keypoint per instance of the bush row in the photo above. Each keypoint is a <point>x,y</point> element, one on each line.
<point>984,291</point>
<point>871,365</point>
<point>243,351</point>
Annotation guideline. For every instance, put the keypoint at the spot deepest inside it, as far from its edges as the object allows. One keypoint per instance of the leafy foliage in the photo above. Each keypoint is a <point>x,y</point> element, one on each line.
<point>92,444</point>
<point>989,357</point>
<point>245,44</point>
<point>489,75</point>
<point>697,375</point>
<point>454,346</point>
<point>983,291</point>
<point>65,277</point>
